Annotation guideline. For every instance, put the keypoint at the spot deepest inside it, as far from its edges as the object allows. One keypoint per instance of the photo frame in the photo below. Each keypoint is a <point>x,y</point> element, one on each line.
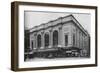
<point>52,36</point>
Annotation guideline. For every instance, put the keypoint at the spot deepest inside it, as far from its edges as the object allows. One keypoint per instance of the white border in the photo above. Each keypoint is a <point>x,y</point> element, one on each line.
<point>33,64</point>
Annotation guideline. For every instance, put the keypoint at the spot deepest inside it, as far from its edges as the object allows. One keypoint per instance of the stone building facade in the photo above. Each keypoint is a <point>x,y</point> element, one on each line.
<point>64,32</point>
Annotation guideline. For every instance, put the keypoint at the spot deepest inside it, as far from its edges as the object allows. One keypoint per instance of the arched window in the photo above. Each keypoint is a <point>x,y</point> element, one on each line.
<point>39,41</point>
<point>32,44</point>
<point>46,39</point>
<point>55,38</point>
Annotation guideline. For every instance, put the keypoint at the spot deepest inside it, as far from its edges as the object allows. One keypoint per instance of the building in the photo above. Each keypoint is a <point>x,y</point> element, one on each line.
<point>64,33</point>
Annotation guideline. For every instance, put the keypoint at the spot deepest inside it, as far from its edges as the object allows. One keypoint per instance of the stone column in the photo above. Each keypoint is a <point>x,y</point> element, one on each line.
<point>82,40</point>
<point>70,38</point>
<point>50,38</point>
<point>42,40</point>
<point>60,36</point>
<point>76,38</point>
<point>35,35</point>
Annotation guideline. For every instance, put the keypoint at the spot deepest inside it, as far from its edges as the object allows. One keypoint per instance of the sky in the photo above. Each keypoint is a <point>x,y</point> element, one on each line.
<point>34,18</point>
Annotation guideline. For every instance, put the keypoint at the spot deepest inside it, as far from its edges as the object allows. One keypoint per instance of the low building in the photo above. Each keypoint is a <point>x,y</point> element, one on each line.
<point>62,33</point>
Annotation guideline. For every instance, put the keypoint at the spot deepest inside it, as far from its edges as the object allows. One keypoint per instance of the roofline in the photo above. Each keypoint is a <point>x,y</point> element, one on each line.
<point>80,25</point>
<point>50,21</point>
<point>62,18</point>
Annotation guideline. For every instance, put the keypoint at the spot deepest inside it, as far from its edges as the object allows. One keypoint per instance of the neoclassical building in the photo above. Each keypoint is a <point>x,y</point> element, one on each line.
<point>63,32</point>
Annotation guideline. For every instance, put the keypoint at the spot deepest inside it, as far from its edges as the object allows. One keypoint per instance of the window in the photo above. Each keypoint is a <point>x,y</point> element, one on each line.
<point>46,37</point>
<point>32,44</point>
<point>73,39</point>
<point>39,41</point>
<point>55,38</point>
<point>66,40</point>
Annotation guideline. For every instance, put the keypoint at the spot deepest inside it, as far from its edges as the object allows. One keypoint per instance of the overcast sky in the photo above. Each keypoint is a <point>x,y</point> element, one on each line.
<point>36,18</point>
